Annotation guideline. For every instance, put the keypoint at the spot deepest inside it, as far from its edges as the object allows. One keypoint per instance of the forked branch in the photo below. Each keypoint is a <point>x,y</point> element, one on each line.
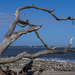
<point>11,36</point>
<point>21,32</point>
<point>41,38</point>
<point>7,41</point>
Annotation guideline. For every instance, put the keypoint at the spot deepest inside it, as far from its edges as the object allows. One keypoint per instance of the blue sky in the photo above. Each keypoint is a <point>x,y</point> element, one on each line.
<point>53,32</point>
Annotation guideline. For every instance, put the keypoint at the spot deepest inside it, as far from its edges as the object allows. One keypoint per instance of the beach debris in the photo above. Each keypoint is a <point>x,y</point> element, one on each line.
<point>27,67</point>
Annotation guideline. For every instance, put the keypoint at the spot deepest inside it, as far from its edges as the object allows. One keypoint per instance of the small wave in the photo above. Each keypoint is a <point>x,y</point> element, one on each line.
<point>54,59</point>
<point>51,59</point>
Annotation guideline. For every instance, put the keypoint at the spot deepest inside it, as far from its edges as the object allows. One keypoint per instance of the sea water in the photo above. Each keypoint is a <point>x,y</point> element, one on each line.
<point>14,51</point>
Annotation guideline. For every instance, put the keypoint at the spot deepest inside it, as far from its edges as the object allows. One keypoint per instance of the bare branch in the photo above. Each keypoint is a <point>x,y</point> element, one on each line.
<point>21,25</point>
<point>54,9</point>
<point>7,41</point>
<point>71,40</point>
<point>70,43</point>
<point>73,23</point>
<point>9,38</point>
<point>40,71</point>
<point>24,31</point>
<point>42,39</point>
<point>17,20</point>
<point>33,56</point>
<point>23,22</point>
<point>49,11</point>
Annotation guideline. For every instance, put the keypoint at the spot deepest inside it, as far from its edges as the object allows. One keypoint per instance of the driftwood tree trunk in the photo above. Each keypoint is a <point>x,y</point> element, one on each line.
<point>11,36</point>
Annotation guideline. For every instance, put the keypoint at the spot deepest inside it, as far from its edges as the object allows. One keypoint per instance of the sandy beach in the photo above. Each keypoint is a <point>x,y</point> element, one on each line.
<point>58,73</point>
<point>52,67</point>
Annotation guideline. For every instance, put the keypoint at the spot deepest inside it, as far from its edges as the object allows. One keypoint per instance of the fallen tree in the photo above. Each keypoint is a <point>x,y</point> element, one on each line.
<point>11,36</point>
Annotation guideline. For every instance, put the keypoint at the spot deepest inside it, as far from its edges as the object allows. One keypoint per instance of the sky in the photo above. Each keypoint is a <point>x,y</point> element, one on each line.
<point>53,32</point>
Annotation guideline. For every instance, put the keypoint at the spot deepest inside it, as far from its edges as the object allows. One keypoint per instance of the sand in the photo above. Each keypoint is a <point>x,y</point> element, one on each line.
<point>52,67</point>
<point>58,73</point>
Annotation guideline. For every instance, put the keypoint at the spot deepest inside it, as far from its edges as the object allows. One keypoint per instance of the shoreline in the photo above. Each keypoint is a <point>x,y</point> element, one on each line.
<point>53,59</point>
<point>37,64</point>
<point>52,67</point>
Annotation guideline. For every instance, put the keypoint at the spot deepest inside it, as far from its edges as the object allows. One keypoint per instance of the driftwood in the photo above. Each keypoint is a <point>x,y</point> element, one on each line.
<point>40,71</point>
<point>24,70</point>
<point>27,67</point>
<point>33,56</point>
<point>11,36</point>
<point>2,72</point>
<point>7,71</point>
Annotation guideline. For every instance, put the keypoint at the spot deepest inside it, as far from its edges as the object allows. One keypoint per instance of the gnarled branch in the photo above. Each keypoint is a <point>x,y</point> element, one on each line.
<point>21,32</point>
<point>11,37</point>
<point>17,19</point>
<point>40,71</point>
<point>41,38</point>
<point>49,11</point>
<point>7,41</point>
<point>33,56</point>
<point>21,25</point>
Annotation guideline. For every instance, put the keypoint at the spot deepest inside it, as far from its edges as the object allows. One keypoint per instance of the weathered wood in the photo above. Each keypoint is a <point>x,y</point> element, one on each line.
<point>7,71</point>
<point>33,56</point>
<point>27,67</point>
<point>69,44</point>
<point>11,36</point>
<point>8,40</point>
<point>2,72</point>
<point>40,71</point>
<point>10,72</point>
<point>37,34</point>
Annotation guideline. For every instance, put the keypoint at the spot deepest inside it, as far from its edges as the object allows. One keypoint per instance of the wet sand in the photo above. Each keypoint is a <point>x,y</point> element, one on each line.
<point>58,73</point>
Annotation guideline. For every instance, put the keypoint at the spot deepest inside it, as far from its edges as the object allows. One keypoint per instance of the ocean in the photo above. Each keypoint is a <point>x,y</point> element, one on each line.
<point>66,57</point>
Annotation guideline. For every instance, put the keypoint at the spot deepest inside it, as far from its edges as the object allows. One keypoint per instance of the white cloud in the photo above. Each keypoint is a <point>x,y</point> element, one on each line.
<point>6,19</point>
